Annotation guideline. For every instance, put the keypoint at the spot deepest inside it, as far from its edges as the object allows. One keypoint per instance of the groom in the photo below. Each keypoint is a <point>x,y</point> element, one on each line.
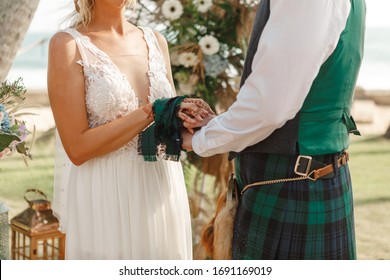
<point>291,121</point>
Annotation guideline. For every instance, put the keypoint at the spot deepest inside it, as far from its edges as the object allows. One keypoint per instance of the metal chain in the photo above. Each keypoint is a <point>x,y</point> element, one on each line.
<point>277,181</point>
<point>344,159</point>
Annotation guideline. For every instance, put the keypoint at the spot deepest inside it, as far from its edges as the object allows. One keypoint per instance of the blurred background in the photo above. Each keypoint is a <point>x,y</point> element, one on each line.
<point>370,153</point>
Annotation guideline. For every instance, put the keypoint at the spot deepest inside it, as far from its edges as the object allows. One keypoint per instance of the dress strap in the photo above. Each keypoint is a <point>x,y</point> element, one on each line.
<point>156,58</point>
<point>81,45</point>
<point>160,87</point>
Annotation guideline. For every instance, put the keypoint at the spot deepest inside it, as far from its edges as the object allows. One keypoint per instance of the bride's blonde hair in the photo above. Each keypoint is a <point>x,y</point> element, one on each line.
<point>84,11</point>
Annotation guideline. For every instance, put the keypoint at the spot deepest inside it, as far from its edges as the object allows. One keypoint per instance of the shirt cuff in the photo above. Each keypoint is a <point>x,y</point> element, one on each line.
<point>199,145</point>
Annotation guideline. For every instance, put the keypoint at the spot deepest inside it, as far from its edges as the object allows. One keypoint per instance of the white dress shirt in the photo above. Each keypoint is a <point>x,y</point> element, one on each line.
<point>297,39</point>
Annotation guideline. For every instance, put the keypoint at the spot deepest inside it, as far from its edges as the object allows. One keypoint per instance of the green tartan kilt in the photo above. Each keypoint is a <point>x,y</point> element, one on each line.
<point>292,220</point>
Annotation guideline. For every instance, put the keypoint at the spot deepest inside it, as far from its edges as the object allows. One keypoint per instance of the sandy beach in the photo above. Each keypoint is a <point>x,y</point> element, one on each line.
<point>371,111</point>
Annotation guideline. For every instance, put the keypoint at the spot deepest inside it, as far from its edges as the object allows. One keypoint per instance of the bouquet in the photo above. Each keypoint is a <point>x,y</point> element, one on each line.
<point>13,132</point>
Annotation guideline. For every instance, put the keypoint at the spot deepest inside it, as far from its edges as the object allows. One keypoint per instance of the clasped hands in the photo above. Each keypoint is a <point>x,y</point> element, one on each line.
<point>195,113</point>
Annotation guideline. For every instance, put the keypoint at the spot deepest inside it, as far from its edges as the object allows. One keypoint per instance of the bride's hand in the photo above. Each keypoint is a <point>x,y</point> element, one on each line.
<point>190,126</point>
<point>195,113</point>
<point>200,103</point>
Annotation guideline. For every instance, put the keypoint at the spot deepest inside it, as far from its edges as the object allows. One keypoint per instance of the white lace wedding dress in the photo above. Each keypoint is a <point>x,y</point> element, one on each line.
<point>119,206</point>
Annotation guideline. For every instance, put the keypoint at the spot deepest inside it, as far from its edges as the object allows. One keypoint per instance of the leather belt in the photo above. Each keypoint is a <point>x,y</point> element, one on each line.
<point>308,169</point>
<point>306,166</point>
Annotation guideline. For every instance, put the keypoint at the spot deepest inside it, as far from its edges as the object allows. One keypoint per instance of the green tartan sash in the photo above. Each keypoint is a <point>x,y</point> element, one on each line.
<point>165,131</point>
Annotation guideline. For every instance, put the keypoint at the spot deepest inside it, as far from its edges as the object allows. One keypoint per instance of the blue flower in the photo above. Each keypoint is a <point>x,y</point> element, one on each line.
<point>215,65</point>
<point>5,124</point>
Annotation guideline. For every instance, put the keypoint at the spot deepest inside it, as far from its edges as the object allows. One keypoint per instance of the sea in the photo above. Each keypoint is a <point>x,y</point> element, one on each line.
<point>31,61</point>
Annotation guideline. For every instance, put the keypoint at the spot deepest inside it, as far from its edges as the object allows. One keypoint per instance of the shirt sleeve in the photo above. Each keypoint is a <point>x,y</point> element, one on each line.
<point>297,39</point>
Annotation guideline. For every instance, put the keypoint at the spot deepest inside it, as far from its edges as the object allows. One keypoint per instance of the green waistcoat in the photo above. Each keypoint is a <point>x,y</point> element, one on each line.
<point>325,120</point>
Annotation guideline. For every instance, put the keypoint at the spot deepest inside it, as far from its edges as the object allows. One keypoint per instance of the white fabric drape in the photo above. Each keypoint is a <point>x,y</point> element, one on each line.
<point>62,166</point>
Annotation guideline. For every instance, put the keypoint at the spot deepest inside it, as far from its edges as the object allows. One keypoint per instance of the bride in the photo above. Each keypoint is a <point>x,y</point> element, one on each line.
<point>103,76</point>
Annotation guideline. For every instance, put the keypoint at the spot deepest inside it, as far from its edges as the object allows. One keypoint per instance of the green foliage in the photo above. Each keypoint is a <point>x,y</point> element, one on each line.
<point>12,93</point>
<point>213,68</point>
<point>6,139</point>
<point>207,41</point>
<point>369,164</point>
<point>16,177</point>
<point>12,132</point>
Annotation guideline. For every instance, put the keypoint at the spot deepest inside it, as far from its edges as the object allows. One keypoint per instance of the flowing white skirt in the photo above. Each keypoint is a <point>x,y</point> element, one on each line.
<point>123,208</point>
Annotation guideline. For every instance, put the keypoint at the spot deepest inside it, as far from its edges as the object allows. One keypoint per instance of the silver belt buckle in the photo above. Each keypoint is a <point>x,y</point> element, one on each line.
<point>297,163</point>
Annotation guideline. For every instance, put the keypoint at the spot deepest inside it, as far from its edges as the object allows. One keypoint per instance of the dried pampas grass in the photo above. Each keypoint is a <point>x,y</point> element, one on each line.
<point>217,235</point>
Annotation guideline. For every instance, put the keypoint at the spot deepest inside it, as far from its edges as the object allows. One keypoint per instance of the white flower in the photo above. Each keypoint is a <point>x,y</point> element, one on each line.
<point>249,3</point>
<point>175,58</point>
<point>172,9</point>
<point>188,59</point>
<point>203,5</point>
<point>209,45</point>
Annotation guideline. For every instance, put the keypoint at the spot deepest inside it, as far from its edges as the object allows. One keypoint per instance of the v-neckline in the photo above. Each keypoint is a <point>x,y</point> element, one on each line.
<point>124,76</point>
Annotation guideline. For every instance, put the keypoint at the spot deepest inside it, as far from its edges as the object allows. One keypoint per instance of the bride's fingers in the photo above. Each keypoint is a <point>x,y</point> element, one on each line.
<point>192,113</point>
<point>195,114</point>
<point>200,114</point>
<point>188,106</point>
<point>204,113</point>
<point>185,117</point>
<point>199,103</point>
<point>206,107</point>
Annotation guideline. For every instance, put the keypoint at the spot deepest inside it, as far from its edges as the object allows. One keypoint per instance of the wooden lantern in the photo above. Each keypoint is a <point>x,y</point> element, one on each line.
<point>35,234</point>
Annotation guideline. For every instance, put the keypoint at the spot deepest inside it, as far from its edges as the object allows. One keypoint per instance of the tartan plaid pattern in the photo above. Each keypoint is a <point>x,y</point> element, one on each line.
<point>292,220</point>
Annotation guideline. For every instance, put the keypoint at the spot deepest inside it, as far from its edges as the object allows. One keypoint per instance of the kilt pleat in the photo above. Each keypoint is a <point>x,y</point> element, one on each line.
<point>292,220</point>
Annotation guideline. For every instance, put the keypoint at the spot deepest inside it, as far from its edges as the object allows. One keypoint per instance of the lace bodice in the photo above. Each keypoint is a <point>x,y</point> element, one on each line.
<point>108,93</point>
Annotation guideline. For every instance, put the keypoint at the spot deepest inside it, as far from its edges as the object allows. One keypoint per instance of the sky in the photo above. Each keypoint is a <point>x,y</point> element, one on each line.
<point>51,12</point>
<point>49,15</point>
<point>378,13</point>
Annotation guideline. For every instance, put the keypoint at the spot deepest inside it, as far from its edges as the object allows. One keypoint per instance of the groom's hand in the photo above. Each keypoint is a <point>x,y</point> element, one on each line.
<point>187,140</point>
